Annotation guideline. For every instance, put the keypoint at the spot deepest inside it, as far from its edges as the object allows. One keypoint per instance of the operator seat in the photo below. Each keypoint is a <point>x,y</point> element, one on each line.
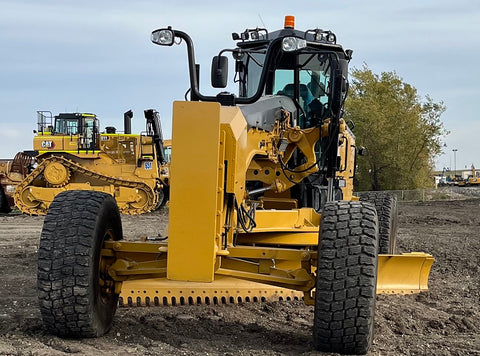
<point>306,96</point>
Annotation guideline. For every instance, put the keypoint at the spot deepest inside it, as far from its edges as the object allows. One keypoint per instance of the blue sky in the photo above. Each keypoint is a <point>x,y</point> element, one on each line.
<point>96,56</point>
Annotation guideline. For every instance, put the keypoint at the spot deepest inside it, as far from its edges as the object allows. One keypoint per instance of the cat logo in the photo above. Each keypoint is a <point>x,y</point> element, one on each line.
<point>48,144</point>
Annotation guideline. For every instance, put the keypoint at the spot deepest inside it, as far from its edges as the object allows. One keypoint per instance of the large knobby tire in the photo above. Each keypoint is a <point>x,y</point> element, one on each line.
<point>4,206</point>
<point>76,295</point>
<point>387,211</point>
<point>346,278</point>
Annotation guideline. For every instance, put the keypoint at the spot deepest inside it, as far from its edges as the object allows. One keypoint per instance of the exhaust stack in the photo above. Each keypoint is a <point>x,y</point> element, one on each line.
<point>127,122</point>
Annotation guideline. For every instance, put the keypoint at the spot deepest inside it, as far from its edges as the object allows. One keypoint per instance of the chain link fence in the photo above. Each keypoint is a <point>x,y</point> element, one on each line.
<point>440,193</point>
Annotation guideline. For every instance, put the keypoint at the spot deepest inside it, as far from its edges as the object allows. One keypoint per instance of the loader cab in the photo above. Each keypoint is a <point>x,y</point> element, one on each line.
<point>84,126</point>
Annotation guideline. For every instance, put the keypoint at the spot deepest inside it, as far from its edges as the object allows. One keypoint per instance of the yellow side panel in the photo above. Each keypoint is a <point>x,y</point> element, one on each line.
<point>193,191</point>
<point>53,143</point>
<point>305,219</point>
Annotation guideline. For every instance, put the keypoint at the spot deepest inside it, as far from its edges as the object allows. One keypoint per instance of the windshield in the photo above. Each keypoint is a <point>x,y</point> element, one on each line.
<point>304,77</point>
<point>66,126</point>
<point>251,75</point>
<point>313,72</point>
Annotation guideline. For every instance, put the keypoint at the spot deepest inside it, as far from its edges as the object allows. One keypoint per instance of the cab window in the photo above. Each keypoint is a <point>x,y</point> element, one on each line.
<point>66,126</point>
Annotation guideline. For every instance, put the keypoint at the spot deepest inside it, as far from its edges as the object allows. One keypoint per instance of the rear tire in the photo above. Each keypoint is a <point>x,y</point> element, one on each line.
<point>346,278</point>
<point>387,211</point>
<point>75,293</point>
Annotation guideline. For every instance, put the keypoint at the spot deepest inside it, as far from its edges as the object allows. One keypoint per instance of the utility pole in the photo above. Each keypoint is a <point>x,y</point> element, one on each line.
<point>455,161</point>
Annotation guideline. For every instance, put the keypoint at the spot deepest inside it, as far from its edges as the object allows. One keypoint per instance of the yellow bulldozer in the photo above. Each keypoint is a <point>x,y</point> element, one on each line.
<point>261,205</point>
<point>74,155</point>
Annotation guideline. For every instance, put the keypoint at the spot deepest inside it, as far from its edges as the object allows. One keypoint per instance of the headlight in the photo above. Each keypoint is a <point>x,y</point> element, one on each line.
<point>290,44</point>
<point>342,183</point>
<point>163,37</point>
<point>327,36</point>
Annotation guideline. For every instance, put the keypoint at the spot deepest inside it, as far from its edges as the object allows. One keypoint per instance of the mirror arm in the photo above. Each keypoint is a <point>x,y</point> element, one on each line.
<point>194,86</point>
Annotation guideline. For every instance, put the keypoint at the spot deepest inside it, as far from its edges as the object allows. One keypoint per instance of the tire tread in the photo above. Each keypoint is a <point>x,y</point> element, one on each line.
<point>65,264</point>
<point>346,278</point>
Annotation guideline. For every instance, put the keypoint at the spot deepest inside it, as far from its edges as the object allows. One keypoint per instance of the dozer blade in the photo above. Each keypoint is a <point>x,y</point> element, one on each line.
<point>223,290</point>
<point>403,274</point>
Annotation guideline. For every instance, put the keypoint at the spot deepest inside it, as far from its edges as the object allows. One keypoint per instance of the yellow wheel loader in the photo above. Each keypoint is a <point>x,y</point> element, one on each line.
<point>74,155</point>
<point>474,178</point>
<point>261,205</point>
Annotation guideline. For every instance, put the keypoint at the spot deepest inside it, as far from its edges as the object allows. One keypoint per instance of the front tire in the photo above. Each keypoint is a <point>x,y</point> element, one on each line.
<point>346,278</point>
<point>75,293</point>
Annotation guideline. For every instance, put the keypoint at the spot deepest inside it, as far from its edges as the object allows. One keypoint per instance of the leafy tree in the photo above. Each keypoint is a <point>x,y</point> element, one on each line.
<point>401,131</point>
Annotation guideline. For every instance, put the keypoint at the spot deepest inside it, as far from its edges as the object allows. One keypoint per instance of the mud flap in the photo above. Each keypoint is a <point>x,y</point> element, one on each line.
<point>406,273</point>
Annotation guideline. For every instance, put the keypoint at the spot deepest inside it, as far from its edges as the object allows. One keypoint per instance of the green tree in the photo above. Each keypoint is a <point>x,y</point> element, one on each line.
<point>402,132</point>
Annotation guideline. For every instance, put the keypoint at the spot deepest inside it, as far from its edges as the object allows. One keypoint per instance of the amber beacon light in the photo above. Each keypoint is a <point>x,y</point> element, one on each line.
<point>289,21</point>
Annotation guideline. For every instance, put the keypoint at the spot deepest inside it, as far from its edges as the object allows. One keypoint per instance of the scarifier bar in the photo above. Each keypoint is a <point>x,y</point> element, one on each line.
<point>397,274</point>
<point>224,290</point>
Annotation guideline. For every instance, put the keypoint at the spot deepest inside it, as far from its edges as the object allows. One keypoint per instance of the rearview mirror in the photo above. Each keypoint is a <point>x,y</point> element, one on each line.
<point>219,71</point>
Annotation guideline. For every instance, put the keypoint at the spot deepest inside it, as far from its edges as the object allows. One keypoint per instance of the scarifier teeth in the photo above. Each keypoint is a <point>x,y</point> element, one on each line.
<point>160,292</point>
<point>172,301</point>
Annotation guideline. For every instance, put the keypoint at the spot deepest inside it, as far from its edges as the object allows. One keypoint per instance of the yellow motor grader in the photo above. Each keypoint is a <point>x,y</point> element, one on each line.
<point>261,205</point>
<point>74,155</point>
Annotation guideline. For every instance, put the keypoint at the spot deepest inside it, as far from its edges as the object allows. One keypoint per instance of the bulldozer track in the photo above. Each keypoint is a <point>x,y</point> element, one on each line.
<point>75,167</point>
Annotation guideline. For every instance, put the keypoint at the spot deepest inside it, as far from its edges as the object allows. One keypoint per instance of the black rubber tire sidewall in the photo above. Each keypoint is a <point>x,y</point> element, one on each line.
<point>108,219</point>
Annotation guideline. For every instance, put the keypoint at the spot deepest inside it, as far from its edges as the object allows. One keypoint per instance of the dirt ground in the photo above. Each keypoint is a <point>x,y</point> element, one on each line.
<point>443,321</point>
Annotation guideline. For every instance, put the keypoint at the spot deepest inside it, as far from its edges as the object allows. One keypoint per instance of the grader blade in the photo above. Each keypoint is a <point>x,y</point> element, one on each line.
<point>223,290</point>
<point>397,274</point>
<point>403,274</point>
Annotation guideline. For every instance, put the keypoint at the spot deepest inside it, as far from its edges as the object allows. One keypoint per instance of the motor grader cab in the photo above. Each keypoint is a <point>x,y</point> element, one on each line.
<point>261,205</point>
<point>74,155</point>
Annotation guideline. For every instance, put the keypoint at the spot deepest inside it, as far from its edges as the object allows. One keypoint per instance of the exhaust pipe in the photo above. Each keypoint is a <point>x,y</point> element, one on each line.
<point>127,122</point>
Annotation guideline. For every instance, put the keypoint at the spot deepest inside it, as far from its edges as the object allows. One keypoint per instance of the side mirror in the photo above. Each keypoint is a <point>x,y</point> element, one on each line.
<point>219,71</point>
<point>337,94</point>
<point>362,151</point>
<point>340,84</point>
<point>163,37</point>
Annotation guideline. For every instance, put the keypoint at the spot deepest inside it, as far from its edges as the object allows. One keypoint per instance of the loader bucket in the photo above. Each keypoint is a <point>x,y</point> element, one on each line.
<point>403,274</point>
